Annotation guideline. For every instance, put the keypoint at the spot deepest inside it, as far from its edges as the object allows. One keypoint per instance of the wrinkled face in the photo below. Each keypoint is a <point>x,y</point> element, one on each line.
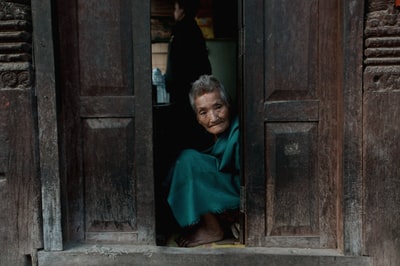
<point>212,113</point>
<point>179,12</point>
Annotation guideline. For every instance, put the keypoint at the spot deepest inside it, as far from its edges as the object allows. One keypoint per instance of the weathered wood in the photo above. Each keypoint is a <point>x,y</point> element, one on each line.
<point>253,123</point>
<point>143,124</point>
<point>381,167</point>
<point>298,183</point>
<point>70,133</point>
<point>107,121</point>
<point>148,255</point>
<point>20,219</point>
<point>292,111</point>
<point>292,186</point>
<point>330,88</point>
<point>110,202</point>
<point>352,37</point>
<point>20,212</point>
<point>20,228</point>
<point>45,87</point>
<point>106,106</point>
<point>381,151</point>
<point>291,53</point>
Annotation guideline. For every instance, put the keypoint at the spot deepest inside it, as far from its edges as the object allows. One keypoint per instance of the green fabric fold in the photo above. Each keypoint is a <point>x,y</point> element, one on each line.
<point>203,182</point>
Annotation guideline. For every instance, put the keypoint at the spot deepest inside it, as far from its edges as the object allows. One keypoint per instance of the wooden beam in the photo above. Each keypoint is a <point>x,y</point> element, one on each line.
<point>47,123</point>
<point>353,13</point>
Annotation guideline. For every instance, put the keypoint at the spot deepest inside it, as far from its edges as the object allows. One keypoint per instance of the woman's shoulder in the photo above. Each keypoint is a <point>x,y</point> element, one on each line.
<point>235,123</point>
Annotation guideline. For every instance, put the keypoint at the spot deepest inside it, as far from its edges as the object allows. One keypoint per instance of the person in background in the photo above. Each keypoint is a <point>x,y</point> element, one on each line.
<point>204,186</point>
<point>187,61</point>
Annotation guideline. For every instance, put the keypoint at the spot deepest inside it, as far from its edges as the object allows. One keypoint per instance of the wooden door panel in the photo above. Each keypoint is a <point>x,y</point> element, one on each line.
<point>291,52</point>
<point>291,184</point>
<point>106,91</point>
<point>108,175</point>
<point>300,110</point>
<point>107,106</point>
<point>107,121</point>
<point>293,113</point>
<point>292,203</point>
<point>105,45</point>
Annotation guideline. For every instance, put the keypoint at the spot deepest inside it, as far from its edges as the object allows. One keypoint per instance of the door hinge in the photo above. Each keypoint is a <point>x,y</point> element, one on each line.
<point>243,199</point>
<point>241,41</point>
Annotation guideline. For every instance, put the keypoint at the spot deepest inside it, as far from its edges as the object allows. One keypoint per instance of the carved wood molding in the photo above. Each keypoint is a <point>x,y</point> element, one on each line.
<point>382,33</point>
<point>15,10</point>
<point>382,79</point>
<point>15,44</point>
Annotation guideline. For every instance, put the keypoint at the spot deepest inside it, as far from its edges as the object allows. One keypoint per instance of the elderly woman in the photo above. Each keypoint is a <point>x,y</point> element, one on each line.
<point>205,185</point>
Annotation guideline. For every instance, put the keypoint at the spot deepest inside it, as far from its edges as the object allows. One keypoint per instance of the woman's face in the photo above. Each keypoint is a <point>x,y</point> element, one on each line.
<point>212,112</point>
<point>179,12</point>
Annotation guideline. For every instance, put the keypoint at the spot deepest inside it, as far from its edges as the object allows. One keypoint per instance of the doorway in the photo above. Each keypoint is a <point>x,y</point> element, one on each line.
<point>218,20</point>
<point>291,131</point>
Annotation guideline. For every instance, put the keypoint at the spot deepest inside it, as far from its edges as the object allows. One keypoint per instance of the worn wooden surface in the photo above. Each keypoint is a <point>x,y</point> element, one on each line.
<point>293,184</point>
<point>224,256</point>
<point>382,165</point>
<point>20,209</point>
<point>253,124</point>
<point>381,118</point>
<point>106,121</point>
<point>352,36</point>
<point>47,125</point>
<point>20,219</point>
<point>20,214</point>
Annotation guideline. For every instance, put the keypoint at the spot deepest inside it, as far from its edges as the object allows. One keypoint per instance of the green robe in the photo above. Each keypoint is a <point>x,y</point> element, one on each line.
<point>203,182</point>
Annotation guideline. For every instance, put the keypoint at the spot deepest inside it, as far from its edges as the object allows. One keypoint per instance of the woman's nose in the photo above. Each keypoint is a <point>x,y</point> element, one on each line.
<point>213,117</point>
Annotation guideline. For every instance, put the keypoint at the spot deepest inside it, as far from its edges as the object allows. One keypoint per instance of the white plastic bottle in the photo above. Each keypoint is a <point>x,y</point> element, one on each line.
<point>159,81</point>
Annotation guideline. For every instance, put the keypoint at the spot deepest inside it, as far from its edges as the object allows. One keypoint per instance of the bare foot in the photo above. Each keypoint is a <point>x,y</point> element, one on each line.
<point>208,230</point>
<point>199,236</point>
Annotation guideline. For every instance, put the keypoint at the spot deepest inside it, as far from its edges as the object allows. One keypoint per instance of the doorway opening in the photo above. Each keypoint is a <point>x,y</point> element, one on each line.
<point>218,21</point>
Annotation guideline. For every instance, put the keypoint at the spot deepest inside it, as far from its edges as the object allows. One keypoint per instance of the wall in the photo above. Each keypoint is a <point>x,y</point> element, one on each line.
<point>223,58</point>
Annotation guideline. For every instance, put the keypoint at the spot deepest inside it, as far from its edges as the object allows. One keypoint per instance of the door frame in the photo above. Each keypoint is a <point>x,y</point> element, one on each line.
<point>353,187</point>
<point>45,88</point>
<point>352,54</point>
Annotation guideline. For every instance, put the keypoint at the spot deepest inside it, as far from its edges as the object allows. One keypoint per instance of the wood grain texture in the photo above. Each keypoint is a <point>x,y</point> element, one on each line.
<point>293,75</point>
<point>381,151</point>
<point>106,121</point>
<point>20,208</point>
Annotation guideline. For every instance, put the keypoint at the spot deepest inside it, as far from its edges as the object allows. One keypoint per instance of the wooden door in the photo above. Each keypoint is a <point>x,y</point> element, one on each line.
<point>292,123</point>
<point>106,121</point>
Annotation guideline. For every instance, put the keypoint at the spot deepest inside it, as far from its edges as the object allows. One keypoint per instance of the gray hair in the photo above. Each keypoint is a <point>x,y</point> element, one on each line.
<point>206,84</point>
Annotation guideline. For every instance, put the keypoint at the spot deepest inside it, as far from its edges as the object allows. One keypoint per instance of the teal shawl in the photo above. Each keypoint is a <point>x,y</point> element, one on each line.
<point>203,182</point>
